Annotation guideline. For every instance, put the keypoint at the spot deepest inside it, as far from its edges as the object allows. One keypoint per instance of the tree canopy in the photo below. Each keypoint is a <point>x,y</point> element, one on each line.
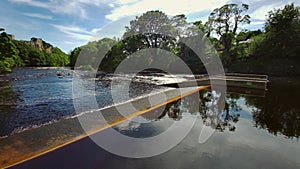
<point>282,37</point>
<point>8,53</point>
<point>224,21</point>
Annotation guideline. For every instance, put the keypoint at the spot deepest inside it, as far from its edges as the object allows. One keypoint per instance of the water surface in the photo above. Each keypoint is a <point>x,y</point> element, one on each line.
<point>254,130</point>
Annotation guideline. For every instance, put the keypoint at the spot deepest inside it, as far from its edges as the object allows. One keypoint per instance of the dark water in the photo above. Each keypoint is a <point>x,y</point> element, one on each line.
<point>257,130</point>
<point>275,111</point>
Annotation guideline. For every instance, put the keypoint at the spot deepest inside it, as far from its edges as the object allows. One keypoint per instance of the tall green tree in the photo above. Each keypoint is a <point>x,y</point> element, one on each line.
<point>151,30</point>
<point>225,21</point>
<point>283,32</point>
<point>8,53</point>
<point>74,55</point>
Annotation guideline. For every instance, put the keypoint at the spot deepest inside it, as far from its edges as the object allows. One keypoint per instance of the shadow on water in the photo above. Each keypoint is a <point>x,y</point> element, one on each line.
<point>279,111</point>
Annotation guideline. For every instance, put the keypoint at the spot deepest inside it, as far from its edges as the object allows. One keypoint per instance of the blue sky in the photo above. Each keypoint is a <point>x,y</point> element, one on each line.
<point>71,23</point>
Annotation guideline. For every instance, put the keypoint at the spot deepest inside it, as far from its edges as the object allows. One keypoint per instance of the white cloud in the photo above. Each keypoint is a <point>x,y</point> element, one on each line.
<point>133,7</point>
<point>112,29</point>
<point>257,22</point>
<point>69,7</point>
<point>37,15</point>
<point>259,9</point>
<point>74,32</point>
<point>123,2</point>
<point>69,43</point>
<point>262,12</point>
<point>32,3</point>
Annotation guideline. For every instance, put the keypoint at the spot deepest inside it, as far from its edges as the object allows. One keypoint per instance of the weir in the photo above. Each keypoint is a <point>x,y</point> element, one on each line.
<point>31,145</point>
<point>250,81</point>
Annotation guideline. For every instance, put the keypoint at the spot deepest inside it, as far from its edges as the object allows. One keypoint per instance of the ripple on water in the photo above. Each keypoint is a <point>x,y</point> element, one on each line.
<point>39,97</point>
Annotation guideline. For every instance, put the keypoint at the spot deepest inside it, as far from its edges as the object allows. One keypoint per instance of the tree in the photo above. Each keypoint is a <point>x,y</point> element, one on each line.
<point>91,52</point>
<point>74,55</point>
<point>151,30</point>
<point>283,32</point>
<point>24,50</point>
<point>282,19</point>
<point>202,27</point>
<point>225,21</point>
<point>57,58</point>
<point>8,53</point>
<point>182,29</point>
<point>37,57</point>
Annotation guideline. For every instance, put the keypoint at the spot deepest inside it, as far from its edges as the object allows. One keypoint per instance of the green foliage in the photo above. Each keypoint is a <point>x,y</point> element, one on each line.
<point>58,58</point>
<point>245,35</point>
<point>114,57</point>
<point>23,49</point>
<point>15,53</point>
<point>139,35</point>
<point>89,55</point>
<point>154,35</point>
<point>36,57</point>
<point>6,64</point>
<point>245,51</point>
<point>224,22</point>
<point>255,48</point>
<point>74,55</point>
<point>282,38</point>
<point>8,53</point>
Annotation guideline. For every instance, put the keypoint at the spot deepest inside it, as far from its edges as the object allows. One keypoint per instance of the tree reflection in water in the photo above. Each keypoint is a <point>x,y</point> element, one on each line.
<point>279,111</point>
<point>209,109</point>
<point>212,115</point>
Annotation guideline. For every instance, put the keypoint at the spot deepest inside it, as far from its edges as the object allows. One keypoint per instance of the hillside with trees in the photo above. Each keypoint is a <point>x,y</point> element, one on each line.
<point>33,53</point>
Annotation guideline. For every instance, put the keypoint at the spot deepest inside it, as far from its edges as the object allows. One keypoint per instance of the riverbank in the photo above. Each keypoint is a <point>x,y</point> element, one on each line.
<point>270,67</point>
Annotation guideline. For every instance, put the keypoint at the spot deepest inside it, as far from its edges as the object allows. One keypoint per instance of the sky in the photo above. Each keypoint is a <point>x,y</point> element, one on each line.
<point>71,23</point>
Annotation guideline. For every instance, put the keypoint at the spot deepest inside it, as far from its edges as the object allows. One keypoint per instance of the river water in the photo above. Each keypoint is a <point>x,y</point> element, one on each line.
<point>255,129</point>
<point>32,97</point>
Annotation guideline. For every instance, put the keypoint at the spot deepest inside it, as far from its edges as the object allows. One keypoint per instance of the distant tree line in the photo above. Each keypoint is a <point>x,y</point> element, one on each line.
<point>14,53</point>
<point>239,49</point>
<point>272,50</point>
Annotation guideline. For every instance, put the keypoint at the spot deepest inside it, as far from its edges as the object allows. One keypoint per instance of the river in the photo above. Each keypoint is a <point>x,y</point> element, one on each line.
<point>255,130</point>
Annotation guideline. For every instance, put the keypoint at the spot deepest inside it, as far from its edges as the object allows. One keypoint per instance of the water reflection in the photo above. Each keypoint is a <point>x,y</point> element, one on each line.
<point>279,112</point>
<point>212,115</point>
<point>209,110</point>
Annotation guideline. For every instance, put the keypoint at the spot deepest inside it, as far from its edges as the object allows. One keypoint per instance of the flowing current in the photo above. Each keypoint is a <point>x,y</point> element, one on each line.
<point>33,97</point>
